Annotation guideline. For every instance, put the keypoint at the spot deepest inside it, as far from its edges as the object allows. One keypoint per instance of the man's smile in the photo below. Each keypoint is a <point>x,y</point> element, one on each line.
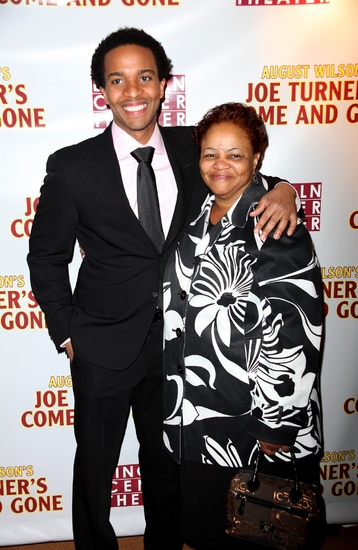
<point>135,108</point>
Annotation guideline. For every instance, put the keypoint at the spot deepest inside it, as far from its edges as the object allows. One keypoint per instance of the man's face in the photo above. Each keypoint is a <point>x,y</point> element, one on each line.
<point>133,90</point>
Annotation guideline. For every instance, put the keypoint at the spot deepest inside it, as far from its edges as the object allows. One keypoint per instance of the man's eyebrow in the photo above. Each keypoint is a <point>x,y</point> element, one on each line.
<point>121,73</point>
<point>146,71</point>
<point>231,149</point>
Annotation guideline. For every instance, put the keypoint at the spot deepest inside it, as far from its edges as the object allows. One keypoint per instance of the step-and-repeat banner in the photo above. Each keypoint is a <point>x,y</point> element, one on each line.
<point>296,62</point>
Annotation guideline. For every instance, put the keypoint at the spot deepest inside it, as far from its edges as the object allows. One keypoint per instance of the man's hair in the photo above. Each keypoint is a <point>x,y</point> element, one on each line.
<point>243,116</point>
<point>124,37</point>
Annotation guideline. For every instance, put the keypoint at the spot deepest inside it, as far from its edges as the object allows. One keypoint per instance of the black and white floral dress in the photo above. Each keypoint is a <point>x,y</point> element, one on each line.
<point>242,337</point>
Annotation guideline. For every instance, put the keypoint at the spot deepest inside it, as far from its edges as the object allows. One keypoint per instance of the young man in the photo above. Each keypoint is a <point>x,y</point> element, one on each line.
<point>111,326</point>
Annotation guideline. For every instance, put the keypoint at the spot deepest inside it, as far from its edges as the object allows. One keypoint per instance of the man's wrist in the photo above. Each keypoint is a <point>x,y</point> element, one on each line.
<point>297,199</point>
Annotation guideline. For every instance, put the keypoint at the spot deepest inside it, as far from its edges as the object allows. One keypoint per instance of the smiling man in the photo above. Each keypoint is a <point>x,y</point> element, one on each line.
<point>132,90</point>
<point>111,326</point>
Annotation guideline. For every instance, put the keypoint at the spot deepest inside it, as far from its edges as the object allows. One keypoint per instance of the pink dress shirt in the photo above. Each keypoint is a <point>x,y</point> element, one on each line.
<point>124,144</point>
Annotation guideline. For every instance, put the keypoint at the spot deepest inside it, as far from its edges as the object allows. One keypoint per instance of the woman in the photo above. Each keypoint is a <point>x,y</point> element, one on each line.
<point>242,335</point>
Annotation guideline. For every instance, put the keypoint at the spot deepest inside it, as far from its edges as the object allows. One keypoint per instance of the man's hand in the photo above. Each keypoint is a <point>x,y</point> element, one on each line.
<point>69,351</point>
<point>276,207</point>
<point>270,448</point>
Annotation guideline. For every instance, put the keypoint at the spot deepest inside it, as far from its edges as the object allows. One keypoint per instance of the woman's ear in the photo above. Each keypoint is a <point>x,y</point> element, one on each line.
<point>256,160</point>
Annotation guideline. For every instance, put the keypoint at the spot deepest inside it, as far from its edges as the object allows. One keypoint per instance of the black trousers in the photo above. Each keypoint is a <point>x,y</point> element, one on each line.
<point>103,398</point>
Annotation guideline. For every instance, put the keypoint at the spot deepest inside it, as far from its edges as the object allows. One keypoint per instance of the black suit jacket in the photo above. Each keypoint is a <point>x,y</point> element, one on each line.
<point>109,314</point>
<point>111,309</point>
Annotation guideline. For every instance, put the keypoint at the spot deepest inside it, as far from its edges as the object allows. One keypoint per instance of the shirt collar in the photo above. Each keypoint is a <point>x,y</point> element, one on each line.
<point>124,144</point>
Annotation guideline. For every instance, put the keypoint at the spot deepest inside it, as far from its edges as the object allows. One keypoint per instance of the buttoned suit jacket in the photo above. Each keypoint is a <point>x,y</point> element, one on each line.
<point>111,309</point>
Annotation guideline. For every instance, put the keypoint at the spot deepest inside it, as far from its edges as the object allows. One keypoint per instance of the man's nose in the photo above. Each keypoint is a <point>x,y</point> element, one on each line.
<point>132,89</point>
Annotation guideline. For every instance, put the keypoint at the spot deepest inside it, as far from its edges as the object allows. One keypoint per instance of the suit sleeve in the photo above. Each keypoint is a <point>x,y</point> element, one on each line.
<point>51,245</point>
<point>272,181</point>
<point>284,370</point>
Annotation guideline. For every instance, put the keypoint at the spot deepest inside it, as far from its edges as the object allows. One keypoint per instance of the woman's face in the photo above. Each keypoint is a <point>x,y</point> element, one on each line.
<point>227,163</point>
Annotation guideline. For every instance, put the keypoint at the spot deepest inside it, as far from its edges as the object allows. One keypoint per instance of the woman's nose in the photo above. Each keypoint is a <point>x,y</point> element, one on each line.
<point>221,164</point>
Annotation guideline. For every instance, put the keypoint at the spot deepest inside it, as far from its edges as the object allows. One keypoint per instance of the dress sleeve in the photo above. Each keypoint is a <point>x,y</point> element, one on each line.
<point>283,361</point>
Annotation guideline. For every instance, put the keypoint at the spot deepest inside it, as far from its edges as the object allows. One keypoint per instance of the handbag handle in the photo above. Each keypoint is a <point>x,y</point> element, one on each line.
<point>253,484</point>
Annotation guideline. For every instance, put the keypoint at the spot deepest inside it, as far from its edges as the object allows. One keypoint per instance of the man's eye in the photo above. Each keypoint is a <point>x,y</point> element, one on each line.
<point>146,78</point>
<point>117,81</point>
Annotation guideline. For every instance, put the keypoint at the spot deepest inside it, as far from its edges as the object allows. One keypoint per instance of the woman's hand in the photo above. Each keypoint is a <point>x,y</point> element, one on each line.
<point>276,207</point>
<point>271,449</point>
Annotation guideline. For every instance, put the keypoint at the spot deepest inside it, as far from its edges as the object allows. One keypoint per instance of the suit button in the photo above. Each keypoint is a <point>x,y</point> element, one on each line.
<point>180,369</point>
<point>183,295</point>
<point>178,332</point>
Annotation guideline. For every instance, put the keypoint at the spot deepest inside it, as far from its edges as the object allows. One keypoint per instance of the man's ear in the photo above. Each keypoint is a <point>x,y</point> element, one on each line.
<point>103,92</point>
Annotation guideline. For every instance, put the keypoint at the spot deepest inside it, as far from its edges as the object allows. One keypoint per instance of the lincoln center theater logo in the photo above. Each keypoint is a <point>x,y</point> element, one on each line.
<point>173,112</point>
<point>310,195</point>
<point>126,486</point>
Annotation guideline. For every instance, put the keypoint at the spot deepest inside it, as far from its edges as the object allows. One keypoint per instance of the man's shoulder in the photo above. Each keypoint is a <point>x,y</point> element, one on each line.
<point>178,139</point>
<point>178,132</point>
<point>86,147</point>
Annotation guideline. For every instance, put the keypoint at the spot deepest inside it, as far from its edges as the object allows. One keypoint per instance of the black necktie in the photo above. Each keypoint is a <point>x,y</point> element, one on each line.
<point>147,197</point>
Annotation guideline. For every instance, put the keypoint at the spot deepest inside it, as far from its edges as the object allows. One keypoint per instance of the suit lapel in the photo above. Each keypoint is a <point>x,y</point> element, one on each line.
<point>183,161</point>
<point>105,174</point>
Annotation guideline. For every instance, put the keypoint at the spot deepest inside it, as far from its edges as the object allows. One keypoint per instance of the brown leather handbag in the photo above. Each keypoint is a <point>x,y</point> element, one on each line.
<point>272,511</point>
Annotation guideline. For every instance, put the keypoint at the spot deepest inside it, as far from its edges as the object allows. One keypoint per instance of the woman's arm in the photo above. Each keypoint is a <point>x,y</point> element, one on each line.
<point>283,371</point>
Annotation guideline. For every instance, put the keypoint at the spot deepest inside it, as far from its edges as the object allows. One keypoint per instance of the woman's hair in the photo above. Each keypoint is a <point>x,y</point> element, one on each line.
<point>237,113</point>
<point>124,37</point>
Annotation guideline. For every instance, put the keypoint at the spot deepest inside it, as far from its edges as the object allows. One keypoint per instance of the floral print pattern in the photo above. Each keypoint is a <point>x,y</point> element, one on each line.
<point>242,336</point>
